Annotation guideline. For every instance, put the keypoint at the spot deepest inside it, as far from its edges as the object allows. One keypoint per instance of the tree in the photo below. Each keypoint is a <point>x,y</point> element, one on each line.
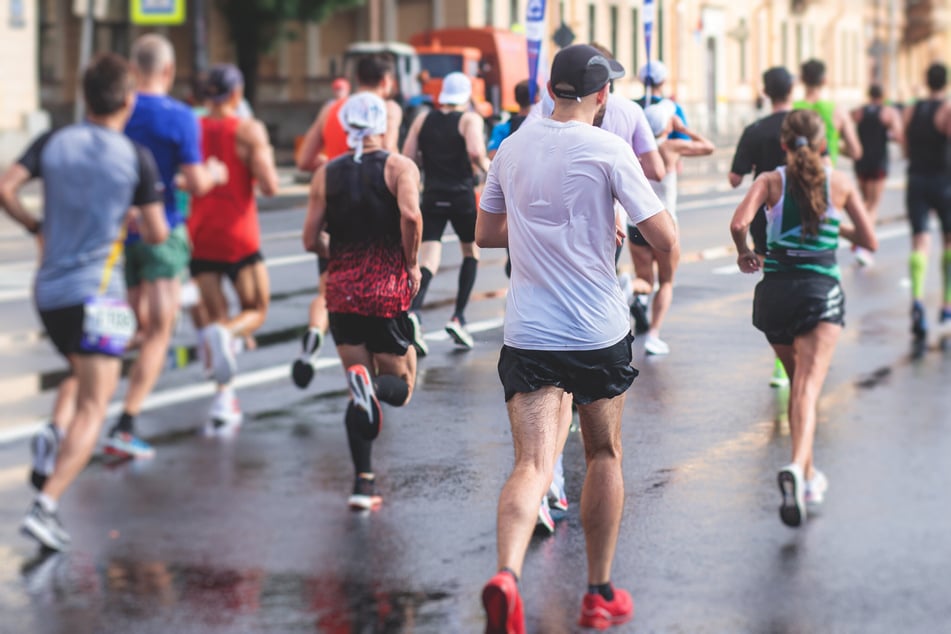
<point>256,25</point>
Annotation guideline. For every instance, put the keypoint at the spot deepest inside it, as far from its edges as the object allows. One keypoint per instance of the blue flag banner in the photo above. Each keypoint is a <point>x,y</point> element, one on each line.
<point>534,36</point>
<point>649,13</point>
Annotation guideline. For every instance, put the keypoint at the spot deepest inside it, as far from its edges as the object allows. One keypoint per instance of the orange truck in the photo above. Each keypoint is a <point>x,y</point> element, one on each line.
<point>494,59</point>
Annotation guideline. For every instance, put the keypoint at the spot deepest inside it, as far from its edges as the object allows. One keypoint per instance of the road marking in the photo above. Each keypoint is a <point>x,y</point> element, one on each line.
<point>184,394</point>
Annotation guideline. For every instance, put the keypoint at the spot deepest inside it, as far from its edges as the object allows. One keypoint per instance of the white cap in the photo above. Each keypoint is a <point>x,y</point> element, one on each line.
<point>456,90</point>
<point>658,73</point>
<point>659,115</point>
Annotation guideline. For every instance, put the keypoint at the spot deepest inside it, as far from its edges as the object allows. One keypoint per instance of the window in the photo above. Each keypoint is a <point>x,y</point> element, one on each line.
<point>489,13</point>
<point>592,22</point>
<point>635,45</point>
<point>514,16</point>
<point>613,29</point>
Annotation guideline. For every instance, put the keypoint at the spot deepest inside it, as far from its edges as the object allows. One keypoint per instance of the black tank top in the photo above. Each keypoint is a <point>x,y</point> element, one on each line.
<point>360,208</point>
<point>515,122</point>
<point>874,138</point>
<point>446,164</point>
<point>927,148</point>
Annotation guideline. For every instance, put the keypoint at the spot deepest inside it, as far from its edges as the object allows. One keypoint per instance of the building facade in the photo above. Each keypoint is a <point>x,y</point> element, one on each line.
<point>19,96</point>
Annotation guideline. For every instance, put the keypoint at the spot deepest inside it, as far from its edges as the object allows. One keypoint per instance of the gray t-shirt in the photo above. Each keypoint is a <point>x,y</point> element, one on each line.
<point>91,176</point>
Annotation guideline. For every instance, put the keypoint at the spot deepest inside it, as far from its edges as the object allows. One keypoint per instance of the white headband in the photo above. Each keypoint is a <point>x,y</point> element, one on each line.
<point>363,115</point>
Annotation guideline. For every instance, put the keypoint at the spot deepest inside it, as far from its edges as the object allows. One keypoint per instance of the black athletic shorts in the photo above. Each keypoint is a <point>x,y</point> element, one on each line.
<point>380,335</point>
<point>439,209</point>
<point>786,305</point>
<point>635,236</point>
<point>64,326</point>
<point>231,269</point>
<point>924,193</point>
<point>589,375</point>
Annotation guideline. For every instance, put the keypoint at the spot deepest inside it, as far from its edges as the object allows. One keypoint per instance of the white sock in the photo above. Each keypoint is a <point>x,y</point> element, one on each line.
<point>49,504</point>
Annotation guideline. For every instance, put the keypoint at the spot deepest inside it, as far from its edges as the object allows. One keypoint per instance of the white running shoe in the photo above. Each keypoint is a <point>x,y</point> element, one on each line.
<point>792,485</point>
<point>223,364</point>
<point>422,348</point>
<point>816,488</point>
<point>225,416</point>
<point>864,257</point>
<point>545,524</point>
<point>457,330</point>
<point>655,345</point>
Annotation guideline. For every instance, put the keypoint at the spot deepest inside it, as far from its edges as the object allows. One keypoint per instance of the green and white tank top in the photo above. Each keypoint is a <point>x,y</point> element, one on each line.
<point>789,248</point>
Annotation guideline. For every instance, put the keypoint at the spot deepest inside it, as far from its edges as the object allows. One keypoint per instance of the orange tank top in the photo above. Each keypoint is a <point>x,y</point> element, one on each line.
<point>223,224</point>
<point>335,137</point>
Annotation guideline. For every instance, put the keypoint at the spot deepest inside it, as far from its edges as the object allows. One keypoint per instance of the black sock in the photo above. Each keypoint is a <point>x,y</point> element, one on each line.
<point>390,389</point>
<point>467,277</point>
<point>125,425</point>
<point>360,447</point>
<point>604,589</point>
<point>511,572</point>
<point>424,281</point>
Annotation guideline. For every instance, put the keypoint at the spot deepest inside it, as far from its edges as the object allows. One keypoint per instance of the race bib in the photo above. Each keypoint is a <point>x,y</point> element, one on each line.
<point>108,326</point>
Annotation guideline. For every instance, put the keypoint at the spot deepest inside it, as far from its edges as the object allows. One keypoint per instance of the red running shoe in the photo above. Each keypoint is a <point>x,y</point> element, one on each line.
<point>503,606</point>
<point>598,612</point>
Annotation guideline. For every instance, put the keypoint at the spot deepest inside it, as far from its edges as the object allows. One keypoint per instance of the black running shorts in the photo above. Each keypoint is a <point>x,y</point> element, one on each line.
<point>231,269</point>
<point>440,209</point>
<point>634,235</point>
<point>786,306</point>
<point>924,193</point>
<point>380,335</point>
<point>64,326</point>
<point>589,375</point>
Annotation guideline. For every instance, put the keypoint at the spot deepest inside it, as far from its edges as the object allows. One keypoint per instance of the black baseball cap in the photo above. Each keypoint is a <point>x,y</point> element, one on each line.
<point>582,70</point>
<point>222,80</point>
<point>777,82</point>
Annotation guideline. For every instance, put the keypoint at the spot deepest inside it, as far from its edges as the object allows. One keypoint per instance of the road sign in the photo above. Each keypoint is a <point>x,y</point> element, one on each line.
<point>156,12</point>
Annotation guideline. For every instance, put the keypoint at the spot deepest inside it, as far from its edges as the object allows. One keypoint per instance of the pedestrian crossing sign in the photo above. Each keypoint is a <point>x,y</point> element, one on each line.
<point>157,12</point>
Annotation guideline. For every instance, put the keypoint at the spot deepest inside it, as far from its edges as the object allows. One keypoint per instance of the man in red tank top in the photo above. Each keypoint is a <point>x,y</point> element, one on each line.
<point>326,140</point>
<point>226,237</point>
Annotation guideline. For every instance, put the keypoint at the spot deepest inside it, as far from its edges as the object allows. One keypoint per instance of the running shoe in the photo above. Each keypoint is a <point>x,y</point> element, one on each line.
<point>557,498</point>
<point>44,446</point>
<point>599,613</point>
<point>863,257</point>
<point>45,527</point>
<point>545,525</point>
<point>793,509</point>
<point>656,346</point>
<point>422,348</point>
<point>223,364</point>
<point>779,378</point>
<point>457,330</point>
<point>364,496</point>
<point>126,445</point>
<point>364,398</point>
<point>642,322</point>
<point>919,325</point>
<point>503,605</point>
<point>302,370</point>
<point>224,416</point>
<point>816,488</point>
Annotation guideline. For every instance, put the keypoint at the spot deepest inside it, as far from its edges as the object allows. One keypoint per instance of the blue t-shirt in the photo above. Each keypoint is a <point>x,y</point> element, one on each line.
<point>169,129</point>
<point>499,133</point>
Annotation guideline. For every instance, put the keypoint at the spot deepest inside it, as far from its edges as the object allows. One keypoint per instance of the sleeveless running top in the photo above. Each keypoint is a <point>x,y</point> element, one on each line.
<point>367,273</point>
<point>446,164</point>
<point>927,147</point>
<point>223,224</point>
<point>335,137</point>
<point>789,248</point>
<point>873,135</point>
<point>515,122</point>
<point>826,110</point>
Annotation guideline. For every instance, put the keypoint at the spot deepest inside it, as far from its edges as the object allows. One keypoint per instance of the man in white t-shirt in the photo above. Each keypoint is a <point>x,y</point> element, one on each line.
<point>549,197</point>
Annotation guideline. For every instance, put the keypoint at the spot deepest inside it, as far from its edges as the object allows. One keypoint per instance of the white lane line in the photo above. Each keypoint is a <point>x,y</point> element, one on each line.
<point>184,394</point>
<point>707,203</point>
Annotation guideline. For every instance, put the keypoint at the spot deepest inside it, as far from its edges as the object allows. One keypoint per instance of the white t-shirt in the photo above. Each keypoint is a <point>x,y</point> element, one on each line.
<point>557,183</point>
<point>622,117</point>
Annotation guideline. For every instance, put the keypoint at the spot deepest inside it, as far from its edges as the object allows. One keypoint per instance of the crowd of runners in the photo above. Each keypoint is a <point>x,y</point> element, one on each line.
<point>169,193</point>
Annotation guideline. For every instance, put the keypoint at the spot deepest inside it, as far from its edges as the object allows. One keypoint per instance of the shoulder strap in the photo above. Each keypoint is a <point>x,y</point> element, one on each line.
<point>114,254</point>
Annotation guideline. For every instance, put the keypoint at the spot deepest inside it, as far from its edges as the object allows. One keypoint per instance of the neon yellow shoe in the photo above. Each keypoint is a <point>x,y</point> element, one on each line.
<point>780,378</point>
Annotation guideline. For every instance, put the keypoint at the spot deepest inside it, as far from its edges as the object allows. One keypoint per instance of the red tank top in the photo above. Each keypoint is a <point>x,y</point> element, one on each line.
<point>223,224</point>
<point>335,137</point>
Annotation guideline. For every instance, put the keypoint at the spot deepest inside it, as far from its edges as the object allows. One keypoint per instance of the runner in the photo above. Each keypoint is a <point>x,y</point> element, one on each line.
<point>449,144</point>
<point>325,141</point>
<point>927,129</point>
<point>663,122</point>
<point>91,174</point>
<point>368,201</point>
<point>799,304</point>
<point>153,273</point>
<point>552,188</point>
<point>654,76</point>
<point>838,123</point>
<point>226,236</point>
<point>505,129</point>
<point>876,124</point>
<point>759,151</point>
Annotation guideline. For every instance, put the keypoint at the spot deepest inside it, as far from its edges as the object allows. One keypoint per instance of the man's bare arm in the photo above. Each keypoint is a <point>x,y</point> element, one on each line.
<point>492,230</point>
<point>254,136</point>
<point>411,144</point>
<point>10,183</point>
<point>473,130</point>
<point>853,146</point>
<point>394,119</point>
<point>313,145</point>
<point>316,214</point>
<point>653,165</point>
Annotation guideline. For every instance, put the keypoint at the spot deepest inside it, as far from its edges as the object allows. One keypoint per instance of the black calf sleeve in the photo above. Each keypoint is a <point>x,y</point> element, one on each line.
<point>390,389</point>
<point>360,447</point>
<point>467,277</point>
<point>426,278</point>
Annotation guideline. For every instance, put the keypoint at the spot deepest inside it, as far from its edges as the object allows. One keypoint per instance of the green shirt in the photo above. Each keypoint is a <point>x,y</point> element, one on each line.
<point>826,110</point>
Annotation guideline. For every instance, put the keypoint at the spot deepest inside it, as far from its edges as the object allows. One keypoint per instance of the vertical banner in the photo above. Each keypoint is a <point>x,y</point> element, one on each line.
<point>649,14</point>
<point>534,36</point>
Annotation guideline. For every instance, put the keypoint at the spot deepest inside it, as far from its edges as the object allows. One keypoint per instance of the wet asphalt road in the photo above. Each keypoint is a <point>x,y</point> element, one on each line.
<point>252,534</point>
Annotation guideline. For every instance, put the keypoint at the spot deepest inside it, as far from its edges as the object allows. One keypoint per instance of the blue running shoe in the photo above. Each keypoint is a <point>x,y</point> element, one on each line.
<point>128,446</point>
